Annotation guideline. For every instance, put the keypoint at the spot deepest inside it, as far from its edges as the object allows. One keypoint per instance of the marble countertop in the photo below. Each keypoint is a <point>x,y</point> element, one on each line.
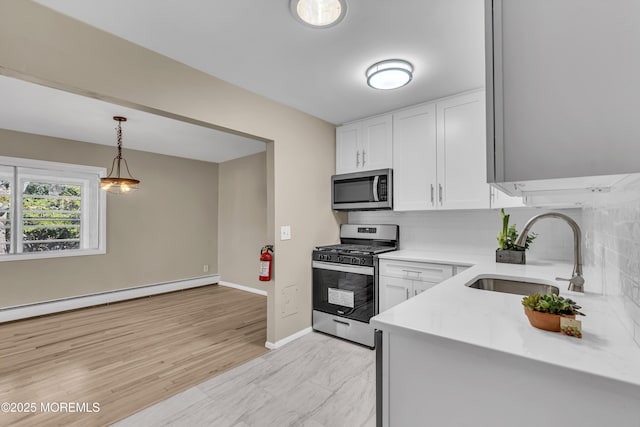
<point>496,320</point>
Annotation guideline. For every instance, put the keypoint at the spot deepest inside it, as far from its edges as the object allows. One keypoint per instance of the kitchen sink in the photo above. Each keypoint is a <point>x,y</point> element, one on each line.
<point>513,286</point>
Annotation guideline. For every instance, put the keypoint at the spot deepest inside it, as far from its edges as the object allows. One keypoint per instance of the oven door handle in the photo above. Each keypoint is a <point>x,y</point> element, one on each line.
<point>345,268</point>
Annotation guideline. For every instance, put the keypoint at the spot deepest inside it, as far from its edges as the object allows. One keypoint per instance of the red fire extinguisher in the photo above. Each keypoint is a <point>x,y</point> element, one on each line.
<point>266,260</point>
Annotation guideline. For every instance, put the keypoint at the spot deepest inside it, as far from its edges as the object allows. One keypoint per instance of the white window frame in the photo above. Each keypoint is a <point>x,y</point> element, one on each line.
<point>94,217</point>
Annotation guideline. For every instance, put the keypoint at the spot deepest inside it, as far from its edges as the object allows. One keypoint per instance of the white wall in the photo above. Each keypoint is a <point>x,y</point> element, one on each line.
<point>472,231</point>
<point>612,253</point>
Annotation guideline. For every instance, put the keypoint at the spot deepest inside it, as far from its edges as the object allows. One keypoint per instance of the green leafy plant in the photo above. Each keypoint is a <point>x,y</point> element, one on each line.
<point>551,303</point>
<point>508,236</point>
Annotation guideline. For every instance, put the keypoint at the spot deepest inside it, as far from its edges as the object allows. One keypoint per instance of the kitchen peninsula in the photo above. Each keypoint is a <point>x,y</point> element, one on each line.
<point>459,356</point>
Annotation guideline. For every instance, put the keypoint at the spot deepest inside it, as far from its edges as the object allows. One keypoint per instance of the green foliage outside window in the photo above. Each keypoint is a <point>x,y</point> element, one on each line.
<point>51,216</point>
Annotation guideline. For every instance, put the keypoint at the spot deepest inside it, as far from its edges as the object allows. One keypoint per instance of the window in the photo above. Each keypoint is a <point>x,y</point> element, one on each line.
<point>50,209</point>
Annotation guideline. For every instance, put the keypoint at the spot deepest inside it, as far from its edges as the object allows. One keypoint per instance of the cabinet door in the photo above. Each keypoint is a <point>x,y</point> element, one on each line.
<point>566,88</point>
<point>419,287</point>
<point>503,200</point>
<point>393,291</point>
<point>414,160</point>
<point>462,167</point>
<point>348,155</point>
<point>376,147</point>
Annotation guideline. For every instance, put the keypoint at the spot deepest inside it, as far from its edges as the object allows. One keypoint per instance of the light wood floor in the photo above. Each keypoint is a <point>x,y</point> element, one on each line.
<point>129,355</point>
<point>314,381</point>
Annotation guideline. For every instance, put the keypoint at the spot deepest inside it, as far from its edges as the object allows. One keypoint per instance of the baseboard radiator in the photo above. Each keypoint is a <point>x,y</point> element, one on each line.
<point>56,306</point>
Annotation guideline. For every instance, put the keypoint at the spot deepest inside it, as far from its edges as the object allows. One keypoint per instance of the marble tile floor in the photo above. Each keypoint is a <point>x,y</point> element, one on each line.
<point>314,381</point>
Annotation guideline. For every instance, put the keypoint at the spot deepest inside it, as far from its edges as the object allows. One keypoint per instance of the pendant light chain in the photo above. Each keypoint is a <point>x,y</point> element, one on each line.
<point>119,138</point>
<point>116,183</point>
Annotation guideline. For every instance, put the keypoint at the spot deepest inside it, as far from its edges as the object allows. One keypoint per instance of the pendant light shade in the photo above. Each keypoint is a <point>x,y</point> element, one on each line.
<point>114,182</point>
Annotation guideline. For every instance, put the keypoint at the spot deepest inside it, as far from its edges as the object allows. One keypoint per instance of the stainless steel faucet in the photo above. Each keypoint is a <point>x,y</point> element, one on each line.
<point>576,283</point>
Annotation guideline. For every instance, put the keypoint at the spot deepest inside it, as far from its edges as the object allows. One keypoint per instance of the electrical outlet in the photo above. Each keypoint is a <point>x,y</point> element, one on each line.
<point>285,232</point>
<point>205,268</point>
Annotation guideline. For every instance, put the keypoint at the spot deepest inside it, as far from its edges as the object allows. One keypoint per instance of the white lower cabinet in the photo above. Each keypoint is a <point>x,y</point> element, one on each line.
<point>401,280</point>
<point>393,291</point>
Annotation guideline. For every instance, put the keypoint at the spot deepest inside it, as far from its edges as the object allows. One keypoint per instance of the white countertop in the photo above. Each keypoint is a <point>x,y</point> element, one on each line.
<point>496,320</point>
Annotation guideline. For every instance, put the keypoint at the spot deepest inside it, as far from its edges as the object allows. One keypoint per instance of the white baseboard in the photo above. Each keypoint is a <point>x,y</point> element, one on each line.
<point>287,340</point>
<point>56,306</point>
<point>243,288</point>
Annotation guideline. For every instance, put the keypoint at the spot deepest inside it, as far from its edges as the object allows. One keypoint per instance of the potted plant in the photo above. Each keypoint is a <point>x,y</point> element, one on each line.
<point>507,250</point>
<point>545,310</point>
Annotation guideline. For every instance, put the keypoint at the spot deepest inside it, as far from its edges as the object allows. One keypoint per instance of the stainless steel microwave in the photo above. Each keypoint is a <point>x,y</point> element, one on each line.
<point>362,191</point>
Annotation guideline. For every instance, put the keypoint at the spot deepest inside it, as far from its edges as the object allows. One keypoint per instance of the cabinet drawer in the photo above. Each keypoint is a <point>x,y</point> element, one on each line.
<point>423,272</point>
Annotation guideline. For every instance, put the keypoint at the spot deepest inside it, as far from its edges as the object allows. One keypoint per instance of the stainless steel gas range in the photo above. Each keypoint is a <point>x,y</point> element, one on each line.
<point>345,281</point>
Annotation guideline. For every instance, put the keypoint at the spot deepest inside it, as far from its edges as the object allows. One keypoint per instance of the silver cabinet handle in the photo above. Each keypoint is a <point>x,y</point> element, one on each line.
<point>431,194</point>
<point>358,158</point>
<point>341,322</point>
<point>364,159</point>
<point>407,293</point>
<point>440,193</point>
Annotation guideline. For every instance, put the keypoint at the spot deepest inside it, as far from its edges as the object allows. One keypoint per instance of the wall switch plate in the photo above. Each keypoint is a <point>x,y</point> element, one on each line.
<point>285,232</point>
<point>205,268</point>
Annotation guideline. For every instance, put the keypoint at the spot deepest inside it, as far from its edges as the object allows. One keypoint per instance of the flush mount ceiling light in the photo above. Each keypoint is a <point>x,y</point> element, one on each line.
<point>318,13</point>
<point>114,183</point>
<point>389,74</point>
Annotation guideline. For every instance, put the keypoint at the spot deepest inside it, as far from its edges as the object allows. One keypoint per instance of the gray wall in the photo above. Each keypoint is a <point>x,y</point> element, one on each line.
<point>165,231</point>
<point>242,219</point>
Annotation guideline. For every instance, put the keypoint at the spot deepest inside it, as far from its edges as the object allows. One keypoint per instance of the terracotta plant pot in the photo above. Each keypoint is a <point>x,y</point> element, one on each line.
<point>546,321</point>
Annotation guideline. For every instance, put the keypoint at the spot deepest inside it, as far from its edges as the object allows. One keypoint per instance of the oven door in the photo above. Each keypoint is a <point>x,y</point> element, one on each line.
<point>344,290</point>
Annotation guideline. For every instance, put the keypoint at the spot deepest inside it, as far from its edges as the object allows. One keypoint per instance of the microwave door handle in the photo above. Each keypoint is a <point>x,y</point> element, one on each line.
<point>375,188</point>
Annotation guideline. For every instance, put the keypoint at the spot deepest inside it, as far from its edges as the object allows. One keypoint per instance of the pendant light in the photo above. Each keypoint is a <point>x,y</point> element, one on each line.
<point>114,183</point>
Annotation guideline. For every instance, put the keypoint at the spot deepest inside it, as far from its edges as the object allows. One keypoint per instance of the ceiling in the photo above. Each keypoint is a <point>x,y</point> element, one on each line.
<point>258,45</point>
<point>28,107</point>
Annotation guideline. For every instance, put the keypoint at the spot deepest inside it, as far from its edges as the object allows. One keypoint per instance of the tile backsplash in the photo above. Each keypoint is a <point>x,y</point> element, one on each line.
<point>612,253</point>
<point>473,231</point>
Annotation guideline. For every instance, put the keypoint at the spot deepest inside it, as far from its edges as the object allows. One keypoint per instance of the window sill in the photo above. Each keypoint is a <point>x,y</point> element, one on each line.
<point>55,254</point>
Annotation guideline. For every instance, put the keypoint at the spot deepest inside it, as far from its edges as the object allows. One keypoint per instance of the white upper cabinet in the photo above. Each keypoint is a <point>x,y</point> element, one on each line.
<point>414,158</point>
<point>461,151</point>
<point>364,145</point>
<point>439,155</point>
<point>348,141</point>
<point>564,90</point>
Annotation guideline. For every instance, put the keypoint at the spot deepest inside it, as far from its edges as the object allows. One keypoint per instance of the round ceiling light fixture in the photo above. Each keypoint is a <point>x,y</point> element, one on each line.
<point>389,74</point>
<point>318,13</point>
